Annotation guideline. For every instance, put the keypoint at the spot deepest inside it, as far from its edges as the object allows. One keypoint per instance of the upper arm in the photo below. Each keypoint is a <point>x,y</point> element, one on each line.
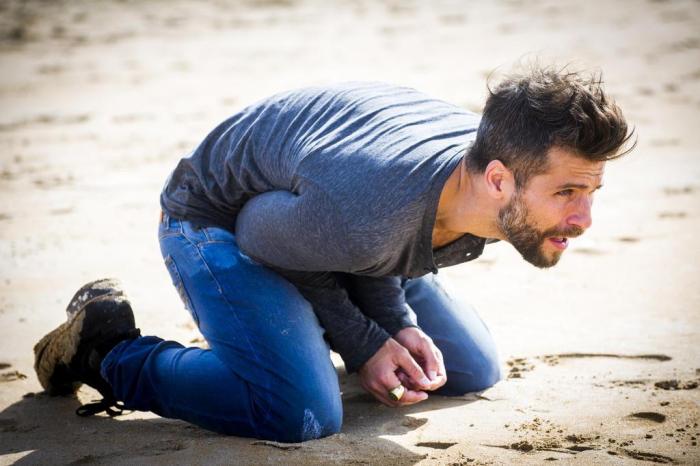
<point>294,231</point>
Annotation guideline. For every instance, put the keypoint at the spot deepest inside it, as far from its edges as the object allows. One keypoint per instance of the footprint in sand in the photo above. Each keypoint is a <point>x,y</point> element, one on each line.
<point>672,385</point>
<point>518,366</point>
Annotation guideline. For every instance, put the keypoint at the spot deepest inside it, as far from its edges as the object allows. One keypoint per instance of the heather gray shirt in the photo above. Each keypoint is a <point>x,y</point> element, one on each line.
<point>336,188</point>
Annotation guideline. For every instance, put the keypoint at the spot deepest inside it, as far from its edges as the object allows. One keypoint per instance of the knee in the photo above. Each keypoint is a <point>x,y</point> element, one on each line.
<point>476,371</point>
<point>285,417</point>
<point>459,383</point>
<point>313,414</point>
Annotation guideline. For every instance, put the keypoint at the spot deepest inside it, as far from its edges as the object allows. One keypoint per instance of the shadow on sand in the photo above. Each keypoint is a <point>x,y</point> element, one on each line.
<point>39,429</point>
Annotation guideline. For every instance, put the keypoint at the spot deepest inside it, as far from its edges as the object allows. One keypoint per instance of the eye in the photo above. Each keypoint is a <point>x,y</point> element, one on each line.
<point>564,192</point>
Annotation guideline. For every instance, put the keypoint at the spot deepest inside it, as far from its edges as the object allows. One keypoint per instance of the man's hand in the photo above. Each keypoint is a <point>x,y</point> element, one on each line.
<point>381,373</point>
<point>424,351</point>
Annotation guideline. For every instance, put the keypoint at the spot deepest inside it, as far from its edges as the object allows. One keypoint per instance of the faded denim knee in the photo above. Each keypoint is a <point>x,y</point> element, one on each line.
<point>310,414</point>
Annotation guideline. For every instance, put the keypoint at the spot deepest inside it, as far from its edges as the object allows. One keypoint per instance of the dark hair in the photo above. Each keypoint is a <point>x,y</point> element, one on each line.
<point>527,114</point>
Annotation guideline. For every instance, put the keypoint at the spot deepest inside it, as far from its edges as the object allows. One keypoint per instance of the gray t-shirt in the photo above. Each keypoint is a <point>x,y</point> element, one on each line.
<point>336,188</point>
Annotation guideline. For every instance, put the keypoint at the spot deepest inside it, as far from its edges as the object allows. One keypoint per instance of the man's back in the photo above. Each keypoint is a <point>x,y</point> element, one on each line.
<point>368,156</point>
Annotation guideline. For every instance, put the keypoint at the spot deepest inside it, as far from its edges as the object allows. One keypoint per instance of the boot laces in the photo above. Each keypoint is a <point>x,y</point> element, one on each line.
<point>110,406</point>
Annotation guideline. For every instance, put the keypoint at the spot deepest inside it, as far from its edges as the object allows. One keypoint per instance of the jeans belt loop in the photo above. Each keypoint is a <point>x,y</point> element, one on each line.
<point>164,219</point>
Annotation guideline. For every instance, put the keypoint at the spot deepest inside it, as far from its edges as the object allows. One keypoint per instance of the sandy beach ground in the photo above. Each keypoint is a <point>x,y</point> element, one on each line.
<point>601,355</point>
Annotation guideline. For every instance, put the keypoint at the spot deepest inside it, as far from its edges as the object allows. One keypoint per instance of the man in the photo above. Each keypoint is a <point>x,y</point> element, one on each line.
<point>318,218</point>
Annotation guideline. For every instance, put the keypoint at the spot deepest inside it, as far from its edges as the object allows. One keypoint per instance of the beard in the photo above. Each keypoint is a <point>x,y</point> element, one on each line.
<point>515,224</point>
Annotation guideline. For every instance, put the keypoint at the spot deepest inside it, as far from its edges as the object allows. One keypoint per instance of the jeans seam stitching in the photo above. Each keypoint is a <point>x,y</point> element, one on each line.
<point>187,300</point>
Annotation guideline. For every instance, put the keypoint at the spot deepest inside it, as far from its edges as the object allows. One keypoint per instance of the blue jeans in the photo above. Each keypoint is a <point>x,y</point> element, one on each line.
<point>268,372</point>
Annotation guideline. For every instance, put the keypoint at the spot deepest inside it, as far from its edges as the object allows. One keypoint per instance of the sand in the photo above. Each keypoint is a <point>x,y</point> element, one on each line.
<point>600,355</point>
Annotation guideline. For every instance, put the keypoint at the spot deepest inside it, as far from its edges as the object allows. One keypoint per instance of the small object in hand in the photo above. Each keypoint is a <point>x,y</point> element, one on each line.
<point>397,393</point>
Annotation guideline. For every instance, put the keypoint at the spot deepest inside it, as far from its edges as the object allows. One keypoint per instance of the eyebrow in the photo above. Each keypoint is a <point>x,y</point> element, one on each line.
<point>577,186</point>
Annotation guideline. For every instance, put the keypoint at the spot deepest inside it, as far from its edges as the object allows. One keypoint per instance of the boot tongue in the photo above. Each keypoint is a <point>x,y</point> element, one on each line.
<point>91,291</point>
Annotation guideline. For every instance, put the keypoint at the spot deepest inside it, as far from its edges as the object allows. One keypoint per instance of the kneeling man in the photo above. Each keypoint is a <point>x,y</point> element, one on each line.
<point>317,219</point>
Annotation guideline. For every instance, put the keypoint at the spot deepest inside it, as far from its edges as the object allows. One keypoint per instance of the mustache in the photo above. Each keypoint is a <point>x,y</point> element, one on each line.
<point>572,232</point>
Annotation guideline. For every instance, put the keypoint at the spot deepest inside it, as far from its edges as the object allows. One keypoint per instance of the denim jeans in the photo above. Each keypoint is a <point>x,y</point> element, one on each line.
<point>268,372</point>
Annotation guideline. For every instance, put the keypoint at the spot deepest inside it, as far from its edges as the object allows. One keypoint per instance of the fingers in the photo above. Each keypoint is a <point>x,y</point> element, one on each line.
<point>406,381</point>
<point>411,394</point>
<point>380,388</point>
<point>432,364</point>
<point>411,397</point>
<point>438,375</point>
<point>411,368</point>
<point>431,361</point>
<point>441,361</point>
<point>428,355</point>
<point>390,366</point>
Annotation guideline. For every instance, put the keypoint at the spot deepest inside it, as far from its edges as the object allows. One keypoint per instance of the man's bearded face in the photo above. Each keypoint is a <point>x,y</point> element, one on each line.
<point>520,229</point>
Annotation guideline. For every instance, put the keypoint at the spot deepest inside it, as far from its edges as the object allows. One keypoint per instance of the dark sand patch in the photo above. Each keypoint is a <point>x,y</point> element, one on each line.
<point>667,214</point>
<point>580,448</point>
<point>649,415</point>
<point>436,445</point>
<point>45,120</point>
<point>61,211</point>
<point>414,422</point>
<point>629,383</point>
<point>589,251</point>
<point>644,456</point>
<point>628,239</point>
<point>553,359</point>
<point>675,384</point>
<point>12,376</point>
<point>679,190</point>
<point>522,446</point>
<point>577,438</point>
<point>669,142</point>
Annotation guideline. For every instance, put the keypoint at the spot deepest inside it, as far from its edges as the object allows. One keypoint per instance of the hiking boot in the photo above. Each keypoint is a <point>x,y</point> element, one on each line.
<point>99,317</point>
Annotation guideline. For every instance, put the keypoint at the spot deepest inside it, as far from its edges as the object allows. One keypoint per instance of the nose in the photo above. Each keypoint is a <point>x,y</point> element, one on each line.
<point>581,217</point>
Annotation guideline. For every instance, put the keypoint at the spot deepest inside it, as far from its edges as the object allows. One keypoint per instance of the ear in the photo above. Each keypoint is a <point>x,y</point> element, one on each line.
<point>499,181</point>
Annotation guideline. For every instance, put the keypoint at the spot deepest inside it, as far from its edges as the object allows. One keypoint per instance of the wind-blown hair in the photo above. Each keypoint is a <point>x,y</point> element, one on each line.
<point>527,114</point>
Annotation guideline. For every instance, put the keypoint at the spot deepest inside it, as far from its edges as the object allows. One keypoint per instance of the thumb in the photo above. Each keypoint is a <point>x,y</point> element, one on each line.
<point>409,365</point>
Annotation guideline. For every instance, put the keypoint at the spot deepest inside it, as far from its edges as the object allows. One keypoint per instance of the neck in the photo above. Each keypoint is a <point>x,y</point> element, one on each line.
<point>464,207</point>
